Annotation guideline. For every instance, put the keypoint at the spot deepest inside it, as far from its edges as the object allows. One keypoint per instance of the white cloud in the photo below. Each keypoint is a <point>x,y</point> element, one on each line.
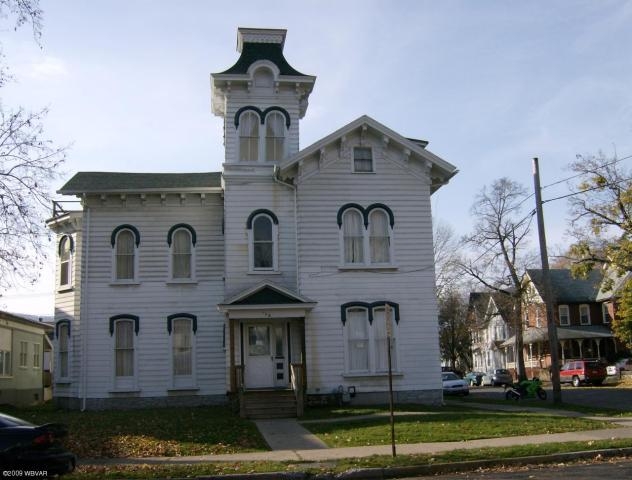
<point>46,68</point>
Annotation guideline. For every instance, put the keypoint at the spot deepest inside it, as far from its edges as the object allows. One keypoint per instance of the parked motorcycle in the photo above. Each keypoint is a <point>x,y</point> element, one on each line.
<point>525,389</point>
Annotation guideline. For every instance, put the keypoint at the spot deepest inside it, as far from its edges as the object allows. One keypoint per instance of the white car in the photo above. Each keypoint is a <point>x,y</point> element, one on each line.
<point>453,385</point>
<point>623,364</point>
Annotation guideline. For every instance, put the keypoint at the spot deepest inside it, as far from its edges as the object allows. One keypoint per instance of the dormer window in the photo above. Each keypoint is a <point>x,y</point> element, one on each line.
<point>363,160</point>
<point>249,136</point>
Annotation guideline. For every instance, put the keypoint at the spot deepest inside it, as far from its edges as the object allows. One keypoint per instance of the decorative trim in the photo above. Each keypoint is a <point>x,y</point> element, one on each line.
<point>190,316</point>
<point>58,324</point>
<point>263,211</point>
<point>380,206</point>
<point>72,244</point>
<point>186,227</point>
<point>262,114</point>
<point>125,316</point>
<point>347,206</point>
<point>369,307</point>
<point>125,226</point>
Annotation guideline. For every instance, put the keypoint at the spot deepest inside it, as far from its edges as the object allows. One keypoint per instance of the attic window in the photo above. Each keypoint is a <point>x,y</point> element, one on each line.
<point>362,160</point>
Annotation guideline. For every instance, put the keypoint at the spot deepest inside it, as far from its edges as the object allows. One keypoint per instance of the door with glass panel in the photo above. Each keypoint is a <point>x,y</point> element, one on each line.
<point>265,355</point>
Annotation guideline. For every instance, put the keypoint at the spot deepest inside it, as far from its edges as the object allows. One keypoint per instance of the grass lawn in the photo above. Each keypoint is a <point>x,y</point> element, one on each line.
<point>182,471</point>
<point>149,432</point>
<point>326,412</point>
<point>446,427</point>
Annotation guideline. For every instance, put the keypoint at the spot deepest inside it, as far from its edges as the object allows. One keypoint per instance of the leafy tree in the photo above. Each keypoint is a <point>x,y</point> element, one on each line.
<point>601,222</point>
<point>498,242</point>
<point>28,162</point>
<point>455,340</point>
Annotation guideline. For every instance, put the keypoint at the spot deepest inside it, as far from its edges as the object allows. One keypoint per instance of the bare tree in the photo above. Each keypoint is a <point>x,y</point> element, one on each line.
<point>498,244</point>
<point>28,162</point>
<point>455,339</point>
<point>446,255</point>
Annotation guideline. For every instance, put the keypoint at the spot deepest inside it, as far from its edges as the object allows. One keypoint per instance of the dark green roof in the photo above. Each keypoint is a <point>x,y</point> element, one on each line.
<point>566,288</point>
<point>103,182</point>
<point>251,52</point>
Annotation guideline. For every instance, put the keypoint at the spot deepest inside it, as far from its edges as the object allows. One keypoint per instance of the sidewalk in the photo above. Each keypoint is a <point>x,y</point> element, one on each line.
<point>292,442</point>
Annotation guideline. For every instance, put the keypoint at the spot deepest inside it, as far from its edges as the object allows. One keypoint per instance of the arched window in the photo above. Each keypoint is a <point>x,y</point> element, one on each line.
<point>249,136</point>
<point>125,252</point>
<point>275,136</point>
<point>379,237</point>
<point>182,348</point>
<point>182,254</point>
<point>353,236</point>
<point>262,242</point>
<point>357,339</point>
<point>65,265</point>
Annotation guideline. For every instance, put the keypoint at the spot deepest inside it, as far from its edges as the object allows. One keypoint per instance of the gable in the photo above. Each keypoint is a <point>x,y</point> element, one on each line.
<point>388,148</point>
<point>267,296</point>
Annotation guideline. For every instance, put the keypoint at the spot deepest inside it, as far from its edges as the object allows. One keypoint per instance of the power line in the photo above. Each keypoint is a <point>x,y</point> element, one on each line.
<point>580,174</point>
<point>572,194</point>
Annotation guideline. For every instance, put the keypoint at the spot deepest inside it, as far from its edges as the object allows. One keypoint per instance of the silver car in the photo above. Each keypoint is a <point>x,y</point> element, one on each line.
<point>453,385</point>
<point>500,376</point>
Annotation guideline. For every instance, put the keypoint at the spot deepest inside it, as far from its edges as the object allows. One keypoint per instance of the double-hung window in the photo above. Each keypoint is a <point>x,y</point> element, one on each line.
<point>125,241</point>
<point>366,235</point>
<point>124,329</point>
<point>65,263</point>
<point>366,338</point>
<point>24,354</point>
<point>5,352</point>
<point>275,137</point>
<point>249,137</point>
<point>584,314</point>
<point>363,160</point>
<point>565,319</point>
<point>63,349</point>
<point>353,237</point>
<point>605,312</point>
<point>262,226</point>
<point>379,237</point>
<point>262,134</point>
<point>182,328</point>
<point>36,355</point>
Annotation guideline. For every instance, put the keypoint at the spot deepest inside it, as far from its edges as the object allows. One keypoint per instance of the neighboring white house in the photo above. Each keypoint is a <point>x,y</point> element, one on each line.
<point>274,273</point>
<point>490,330</point>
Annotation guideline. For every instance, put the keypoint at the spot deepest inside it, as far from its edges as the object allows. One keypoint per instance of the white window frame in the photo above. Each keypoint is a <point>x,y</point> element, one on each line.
<point>63,331</point>
<point>605,313</point>
<point>373,369</point>
<point>37,355</point>
<point>366,241</point>
<point>353,158</point>
<point>192,277</point>
<point>66,240</point>
<point>6,352</point>
<point>560,308</point>
<point>183,381</point>
<point>24,354</point>
<point>123,281</point>
<point>587,307</point>
<point>263,147</point>
<point>128,382</point>
<point>251,246</point>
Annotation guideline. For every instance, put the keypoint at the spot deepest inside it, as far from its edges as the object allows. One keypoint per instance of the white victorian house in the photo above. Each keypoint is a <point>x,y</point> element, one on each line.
<point>274,274</point>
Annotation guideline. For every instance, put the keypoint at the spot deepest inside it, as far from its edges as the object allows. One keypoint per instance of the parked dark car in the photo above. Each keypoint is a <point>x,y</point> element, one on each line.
<point>24,446</point>
<point>500,376</point>
<point>583,371</point>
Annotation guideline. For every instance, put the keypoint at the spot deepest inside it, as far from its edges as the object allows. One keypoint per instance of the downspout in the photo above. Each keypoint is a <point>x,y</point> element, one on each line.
<point>275,177</point>
<point>83,309</point>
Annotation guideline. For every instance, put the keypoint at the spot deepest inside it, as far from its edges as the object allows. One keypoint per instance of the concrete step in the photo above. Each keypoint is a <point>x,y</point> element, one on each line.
<point>269,404</point>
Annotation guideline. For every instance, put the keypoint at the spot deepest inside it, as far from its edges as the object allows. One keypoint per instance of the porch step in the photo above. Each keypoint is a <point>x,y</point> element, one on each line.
<point>261,404</point>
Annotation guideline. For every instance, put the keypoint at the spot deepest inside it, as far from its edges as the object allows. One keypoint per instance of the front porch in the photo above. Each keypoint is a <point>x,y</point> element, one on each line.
<point>266,345</point>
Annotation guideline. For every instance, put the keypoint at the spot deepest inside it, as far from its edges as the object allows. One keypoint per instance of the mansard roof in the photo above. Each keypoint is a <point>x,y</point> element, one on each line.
<point>566,288</point>
<point>118,182</point>
<point>253,52</point>
<point>439,167</point>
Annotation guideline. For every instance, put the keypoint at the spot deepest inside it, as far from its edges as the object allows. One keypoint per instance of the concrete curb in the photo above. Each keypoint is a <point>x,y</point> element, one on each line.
<point>435,469</point>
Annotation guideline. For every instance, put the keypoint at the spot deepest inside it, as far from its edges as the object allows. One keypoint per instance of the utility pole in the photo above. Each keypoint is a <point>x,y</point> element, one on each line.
<point>389,336</point>
<point>548,293</point>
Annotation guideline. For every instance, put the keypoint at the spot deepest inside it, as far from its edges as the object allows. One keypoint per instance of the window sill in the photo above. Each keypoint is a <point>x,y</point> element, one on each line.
<point>117,391</point>
<point>63,383</point>
<point>371,374</point>
<point>365,267</point>
<point>175,281</point>
<point>177,390</point>
<point>264,272</point>
<point>65,289</point>
<point>121,283</point>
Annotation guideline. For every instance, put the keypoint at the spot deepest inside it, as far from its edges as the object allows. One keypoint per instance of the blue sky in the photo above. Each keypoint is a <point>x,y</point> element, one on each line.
<point>490,84</point>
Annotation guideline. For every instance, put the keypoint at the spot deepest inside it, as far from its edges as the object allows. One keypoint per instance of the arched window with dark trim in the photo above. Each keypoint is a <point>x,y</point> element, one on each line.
<point>182,244</point>
<point>263,242</point>
<point>353,236</point>
<point>125,241</point>
<point>275,136</point>
<point>249,136</point>
<point>65,261</point>
<point>379,237</point>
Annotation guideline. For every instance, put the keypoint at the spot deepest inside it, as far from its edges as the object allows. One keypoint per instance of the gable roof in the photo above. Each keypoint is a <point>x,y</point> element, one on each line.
<point>118,182</point>
<point>46,327</point>
<point>267,293</point>
<point>566,288</point>
<point>440,167</point>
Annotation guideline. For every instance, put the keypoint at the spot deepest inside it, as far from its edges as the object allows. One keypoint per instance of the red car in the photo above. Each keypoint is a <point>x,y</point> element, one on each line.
<point>583,371</point>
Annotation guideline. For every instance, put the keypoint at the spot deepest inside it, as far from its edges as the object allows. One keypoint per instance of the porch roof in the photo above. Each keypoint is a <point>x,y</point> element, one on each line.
<point>267,297</point>
<point>537,335</point>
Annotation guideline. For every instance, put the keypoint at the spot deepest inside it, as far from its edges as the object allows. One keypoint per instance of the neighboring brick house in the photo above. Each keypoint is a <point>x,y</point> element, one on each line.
<point>583,321</point>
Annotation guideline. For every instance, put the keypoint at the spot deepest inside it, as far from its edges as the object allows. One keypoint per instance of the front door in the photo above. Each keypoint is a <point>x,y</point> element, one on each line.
<point>265,356</point>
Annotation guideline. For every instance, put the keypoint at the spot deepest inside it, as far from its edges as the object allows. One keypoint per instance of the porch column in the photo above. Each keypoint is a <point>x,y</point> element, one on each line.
<point>579,343</point>
<point>598,342</point>
<point>563,344</point>
<point>231,344</point>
